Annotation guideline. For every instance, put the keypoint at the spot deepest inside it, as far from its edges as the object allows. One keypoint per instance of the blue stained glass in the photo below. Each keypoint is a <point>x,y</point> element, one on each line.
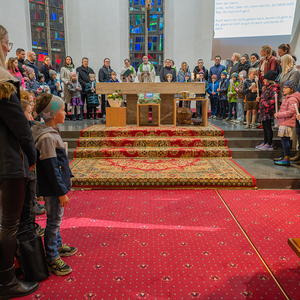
<point>137,47</point>
<point>141,29</point>
<point>34,43</point>
<point>159,2</point>
<point>130,47</point>
<point>43,44</point>
<point>53,16</point>
<point>154,16</point>
<point>137,21</point>
<point>158,9</point>
<point>136,2</point>
<point>136,30</point>
<point>161,26</point>
<point>142,2</point>
<point>154,39</point>
<point>138,39</point>
<point>130,40</point>
<point>131,26</point>
<point>149,45</point>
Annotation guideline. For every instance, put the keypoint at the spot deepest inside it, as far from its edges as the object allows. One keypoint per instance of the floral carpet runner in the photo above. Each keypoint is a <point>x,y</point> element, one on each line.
<point>156,157</point>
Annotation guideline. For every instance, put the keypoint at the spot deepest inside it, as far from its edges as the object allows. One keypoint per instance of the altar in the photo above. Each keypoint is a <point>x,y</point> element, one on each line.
<point>167,91</point>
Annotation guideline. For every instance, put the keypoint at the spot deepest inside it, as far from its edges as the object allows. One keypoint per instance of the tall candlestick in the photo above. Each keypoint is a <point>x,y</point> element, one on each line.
<point>230,90</point>
<point>276,103</point>
<point>257,86</point>
<point>77,78</point>
<point>213,87</point>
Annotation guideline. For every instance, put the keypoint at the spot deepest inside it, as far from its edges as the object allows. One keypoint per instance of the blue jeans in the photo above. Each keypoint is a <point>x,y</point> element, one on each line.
<point>214,105</point>
<point>285,141</point>
<point>232,105</point>
<point>52,237</point>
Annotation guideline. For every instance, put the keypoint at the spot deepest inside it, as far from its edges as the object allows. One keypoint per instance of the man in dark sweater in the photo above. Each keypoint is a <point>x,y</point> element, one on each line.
<point>167,70</point>
<point>30,62</point>
<point>21,57</point>
<point>217,69</point>
<point>83,77</point>
<point>104,76</point>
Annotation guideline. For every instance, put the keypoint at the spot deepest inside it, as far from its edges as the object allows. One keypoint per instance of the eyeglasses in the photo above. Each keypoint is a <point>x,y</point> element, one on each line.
<point>8,45</point>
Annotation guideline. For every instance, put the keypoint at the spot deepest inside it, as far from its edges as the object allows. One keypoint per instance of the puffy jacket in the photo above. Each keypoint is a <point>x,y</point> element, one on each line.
<point>181,76</point>
<point>287,113</point>
<point>92,97</point>
<point>45,71</point>
<point>213,88</point>
<point>223,87</point>
<point>232,98</point>
<point>270,65</point>
<point>17,151</point>
<point>84,77</point>
<point>165,71</point>
<point>244,67</point>
<point>72,89</point>
<point>104,74</point>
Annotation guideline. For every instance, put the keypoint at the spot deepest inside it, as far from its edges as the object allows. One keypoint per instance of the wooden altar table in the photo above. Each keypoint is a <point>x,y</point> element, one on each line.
<point>167,91</point>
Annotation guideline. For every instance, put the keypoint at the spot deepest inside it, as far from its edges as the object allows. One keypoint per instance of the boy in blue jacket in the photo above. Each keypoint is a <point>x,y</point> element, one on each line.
<point>213,95</point>
<point>54,178</point>
<point>92,97</point>
<point>222,90</point>
<point>54,84</point>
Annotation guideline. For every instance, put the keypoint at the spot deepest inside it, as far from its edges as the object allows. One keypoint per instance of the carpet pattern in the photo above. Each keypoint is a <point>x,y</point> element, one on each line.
<point>159,172</point>
<point>156,244</point>
<point>270,218</point>
<point>164,156</point>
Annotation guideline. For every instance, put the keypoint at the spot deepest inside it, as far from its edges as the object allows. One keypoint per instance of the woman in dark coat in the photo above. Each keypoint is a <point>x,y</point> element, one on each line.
<point>46,68</point>
<point>17,156</point>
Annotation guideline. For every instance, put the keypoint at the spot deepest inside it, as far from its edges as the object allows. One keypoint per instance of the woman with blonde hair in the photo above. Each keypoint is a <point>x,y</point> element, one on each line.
<point>268,62</point>
<point>289,71</point>
<point>184,75</point>
<point>12,68</point>
<point>18,156</point>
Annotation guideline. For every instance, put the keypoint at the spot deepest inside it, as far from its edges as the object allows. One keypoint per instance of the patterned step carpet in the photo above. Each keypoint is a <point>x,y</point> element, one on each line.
<point>164,156</point>
<point>177,244</point>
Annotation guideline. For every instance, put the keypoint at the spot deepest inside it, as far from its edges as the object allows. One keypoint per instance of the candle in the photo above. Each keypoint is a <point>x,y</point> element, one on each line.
<point>93,84</point>
<point>193,76</point>
<point>276,103</point>
<point>77,78</point>
<point>213,87</point>
<point>257,86</point>
<point>230,89</point>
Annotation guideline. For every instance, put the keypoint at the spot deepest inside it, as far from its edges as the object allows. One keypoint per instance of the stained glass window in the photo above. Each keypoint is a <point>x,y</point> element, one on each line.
<point>40,45</point>
<point>155,33</point>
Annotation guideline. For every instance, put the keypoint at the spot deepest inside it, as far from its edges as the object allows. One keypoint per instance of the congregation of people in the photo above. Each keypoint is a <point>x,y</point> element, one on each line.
<point>253,92</point>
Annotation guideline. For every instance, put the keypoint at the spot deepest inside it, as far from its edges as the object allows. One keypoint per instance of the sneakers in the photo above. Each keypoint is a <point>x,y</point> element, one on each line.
<point>284,162</point>
<point>253,126</point>
<point>226,120</point>
<point>210,117</point>
<point>65,250</point>
<point>266,147</point>
<point>259,146</point>
<point>59,267</point>
<point>40,209</point>
<point>247,126</point>
<point>214,117</point>
<point>40,231</point>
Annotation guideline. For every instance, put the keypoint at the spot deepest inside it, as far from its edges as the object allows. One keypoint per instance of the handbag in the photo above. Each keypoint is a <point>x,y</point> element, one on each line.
<point>30,254</point>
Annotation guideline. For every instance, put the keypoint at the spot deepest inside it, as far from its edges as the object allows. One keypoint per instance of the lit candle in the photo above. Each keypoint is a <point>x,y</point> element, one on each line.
<point>276,103</point>
<point>257,86</point>
<point>230,85</point>
<point>77,78</point>
<point>198,77</point>
<point>193,76</point>
<point>93,84</point>
<point>213,86</point>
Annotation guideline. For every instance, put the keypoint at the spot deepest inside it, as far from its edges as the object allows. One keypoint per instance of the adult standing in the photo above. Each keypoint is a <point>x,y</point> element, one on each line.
<point>167,71</point>
<point>65,77</point>
<point>21,57</point>
<point>17,153</point>
<point>146,71</point>
<point>235,58</point>
<point>84,72</point>
<point>130,77</point>
<point>254,61</point>
<point>46,68</point>
<point>104,75</point>
<point>216,69</point>
<point>268,62</point>
<point>244,65</point>
<point>200,67</point>
<point>172,64</point>
<point>184,75</point>
<point>30,62</point>
<point>283,49</point>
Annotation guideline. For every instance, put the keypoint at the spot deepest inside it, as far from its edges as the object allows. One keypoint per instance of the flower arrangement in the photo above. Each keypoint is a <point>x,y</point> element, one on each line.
<point>116,99</point>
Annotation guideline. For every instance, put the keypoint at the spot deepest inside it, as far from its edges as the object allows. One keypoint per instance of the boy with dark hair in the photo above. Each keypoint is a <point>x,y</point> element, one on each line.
<point>54,178</point>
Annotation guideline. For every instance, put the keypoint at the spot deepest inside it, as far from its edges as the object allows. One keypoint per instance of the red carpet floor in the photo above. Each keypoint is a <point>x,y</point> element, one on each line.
<point>270,218</point>
<point>157,244</point>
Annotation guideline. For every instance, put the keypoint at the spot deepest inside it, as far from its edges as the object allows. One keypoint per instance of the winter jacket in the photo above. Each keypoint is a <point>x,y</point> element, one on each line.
<point>65,78</point>
<point>197,71</point>
<point>104,74</point>
<point>17,74</point>
<point>213,88</point>
<point>20,66</point>
<point>250,96</point>
<point>45,71</point>
<point>292,74</point>
<point>240,93</point>
<point>244,67</point>
<point>17,151</point>
<point>216,70</point>
<point>84,77</point>
<point>92,97</point>
<point>223,87</point>
<point>234,69</point>
<point>53,172</point>
<point>270,65</point>
<point>53,88</point>
<point>74,92</point>
<point>32,86</point>
<point>34,67</point>
<point>267,102</point>
<point>255,65</point>
<point>45,87</point>
<point>165,71</point>
<point>287,113</point>
<point>111,80</point>
<point>181,76</point>
<point>232,98</point>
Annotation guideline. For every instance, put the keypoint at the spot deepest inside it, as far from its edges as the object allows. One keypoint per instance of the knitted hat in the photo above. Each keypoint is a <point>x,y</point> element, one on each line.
<point>255,54</point>
<point>51,73</point>
<point>92,75</point>
<point>73,74</point>
<point>270,75</point>
<point>201,72</point>
<point>291,84</point>
<point>214,76</point>
<point>41,76</point>
<point>243,74</point>
<point>236,75</point>
<point>27,69</point>
<point>224,72</point>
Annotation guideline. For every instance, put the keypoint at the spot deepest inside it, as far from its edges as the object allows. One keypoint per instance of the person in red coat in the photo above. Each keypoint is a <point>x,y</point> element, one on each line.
<point>268,62</point>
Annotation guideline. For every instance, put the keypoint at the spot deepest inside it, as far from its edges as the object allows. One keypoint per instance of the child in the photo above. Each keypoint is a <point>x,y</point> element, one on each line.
<point>250,91</point>
<point>113,76</point>
<point>32,85</point>
<point>240,98</point>
<point>231,94</point>
<point>12,68</point>
<point>199,103</point>
<point>222,90</point>
<point>29,208</point>
<point>44,86</point>
<point>267,108</point>
<point>75,88</point>
<point>286,119</point>
<point>54,178</point>
<point>92,97</point>
<point>54,84</point>
<point>213,95</point>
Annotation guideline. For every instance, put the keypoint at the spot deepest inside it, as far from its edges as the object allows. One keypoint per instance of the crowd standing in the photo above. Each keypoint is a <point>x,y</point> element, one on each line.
<point>252,90</point>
